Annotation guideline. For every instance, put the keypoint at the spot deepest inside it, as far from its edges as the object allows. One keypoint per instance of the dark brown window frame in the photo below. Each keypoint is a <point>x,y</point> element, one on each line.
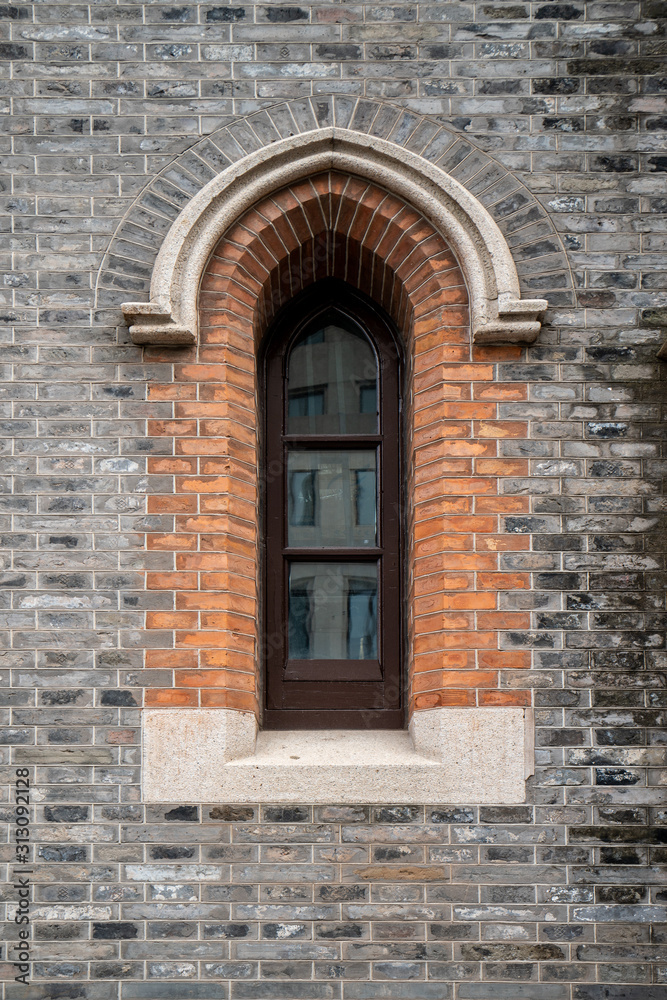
<point>357,694</point>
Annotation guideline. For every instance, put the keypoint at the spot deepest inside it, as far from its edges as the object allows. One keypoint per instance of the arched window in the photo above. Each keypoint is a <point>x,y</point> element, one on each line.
<point>332,576</point>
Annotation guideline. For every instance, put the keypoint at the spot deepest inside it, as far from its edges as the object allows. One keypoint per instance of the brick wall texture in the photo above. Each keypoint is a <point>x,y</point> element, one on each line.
<point>538,575</point>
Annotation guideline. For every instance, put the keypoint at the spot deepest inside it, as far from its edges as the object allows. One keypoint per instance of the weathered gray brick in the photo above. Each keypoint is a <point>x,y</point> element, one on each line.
<point>551,114</point>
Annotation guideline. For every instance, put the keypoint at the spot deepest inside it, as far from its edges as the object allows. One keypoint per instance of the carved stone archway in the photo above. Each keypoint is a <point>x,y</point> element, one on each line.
<point>499,314</point>
<point>448,166</point>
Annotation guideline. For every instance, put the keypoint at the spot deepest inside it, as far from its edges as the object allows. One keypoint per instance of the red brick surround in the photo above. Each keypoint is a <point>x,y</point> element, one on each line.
<point>341,226</point>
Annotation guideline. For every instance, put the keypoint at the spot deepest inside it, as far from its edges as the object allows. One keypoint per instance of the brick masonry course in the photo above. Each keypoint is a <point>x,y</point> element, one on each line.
<point>560,899</point>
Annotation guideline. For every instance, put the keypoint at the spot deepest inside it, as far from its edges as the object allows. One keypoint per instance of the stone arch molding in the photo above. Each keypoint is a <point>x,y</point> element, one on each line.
<point>498,312</point>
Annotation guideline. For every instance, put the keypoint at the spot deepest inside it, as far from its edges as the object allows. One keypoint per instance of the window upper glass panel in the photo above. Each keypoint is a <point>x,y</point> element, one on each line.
<point>332,382</point>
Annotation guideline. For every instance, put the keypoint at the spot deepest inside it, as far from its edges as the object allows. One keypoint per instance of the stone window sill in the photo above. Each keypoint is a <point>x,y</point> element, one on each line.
<point>450,755</point>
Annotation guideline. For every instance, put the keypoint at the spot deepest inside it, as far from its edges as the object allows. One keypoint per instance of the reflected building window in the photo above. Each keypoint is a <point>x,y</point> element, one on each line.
<point>365,500</point>
<point>302,493</point>
<point>310,403</point>
<point>368,396</point>
<point>361,621</point>
<point>299,623</point>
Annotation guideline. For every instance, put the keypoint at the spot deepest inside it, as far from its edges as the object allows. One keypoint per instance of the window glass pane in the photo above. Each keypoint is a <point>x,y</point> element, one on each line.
<point>332,384</point>
<point>331,498</point>
<point>306,404</point>
<point>333,611</point>
<point>368,398</point>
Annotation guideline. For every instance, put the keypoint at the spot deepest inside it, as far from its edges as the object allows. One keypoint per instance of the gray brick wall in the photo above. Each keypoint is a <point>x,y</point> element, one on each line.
<point>561,898</point>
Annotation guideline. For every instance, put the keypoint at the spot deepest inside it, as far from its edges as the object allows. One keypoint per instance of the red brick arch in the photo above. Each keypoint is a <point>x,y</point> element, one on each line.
<point>336,225</point>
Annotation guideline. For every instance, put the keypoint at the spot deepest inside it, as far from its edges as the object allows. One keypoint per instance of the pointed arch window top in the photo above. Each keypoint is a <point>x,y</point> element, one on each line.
<point>499,313</point>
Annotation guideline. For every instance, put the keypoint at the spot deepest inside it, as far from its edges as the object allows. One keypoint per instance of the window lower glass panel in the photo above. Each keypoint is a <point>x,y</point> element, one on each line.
<point>333,611</point>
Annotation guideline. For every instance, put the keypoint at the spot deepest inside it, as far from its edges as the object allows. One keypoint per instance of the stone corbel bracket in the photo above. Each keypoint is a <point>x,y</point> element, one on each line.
<point>499,314</point>
<point>151,323</point>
